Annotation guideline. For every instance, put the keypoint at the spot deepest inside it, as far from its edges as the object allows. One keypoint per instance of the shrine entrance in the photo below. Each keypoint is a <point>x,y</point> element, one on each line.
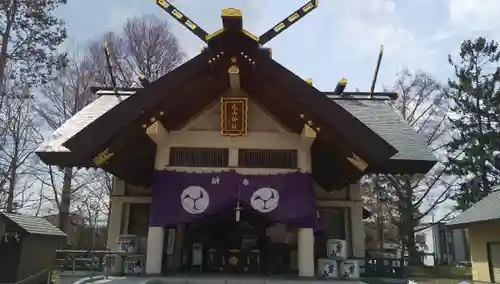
<point>223,244</point>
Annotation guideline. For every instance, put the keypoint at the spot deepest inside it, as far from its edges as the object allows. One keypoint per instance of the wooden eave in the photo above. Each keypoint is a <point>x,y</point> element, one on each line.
<point>167,90</point>
<point>324,112</point>
<point>65,159</point>
<point>135,162</point>
<point>401,166</point>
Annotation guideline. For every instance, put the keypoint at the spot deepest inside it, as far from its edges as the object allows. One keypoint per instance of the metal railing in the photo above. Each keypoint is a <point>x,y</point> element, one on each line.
<point>94,263</point>
<point>36,277</point>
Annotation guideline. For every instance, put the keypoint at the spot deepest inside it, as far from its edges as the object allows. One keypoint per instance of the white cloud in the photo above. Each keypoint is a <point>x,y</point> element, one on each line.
<point>378,22</point>
<point>474,15</point>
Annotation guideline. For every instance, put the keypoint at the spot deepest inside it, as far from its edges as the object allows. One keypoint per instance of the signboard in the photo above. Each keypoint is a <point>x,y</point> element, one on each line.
<point>234,116</point>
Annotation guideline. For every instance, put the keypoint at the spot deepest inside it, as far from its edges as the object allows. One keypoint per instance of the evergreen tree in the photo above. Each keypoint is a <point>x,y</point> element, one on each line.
<point>475,115</point>
<point>30,33</point>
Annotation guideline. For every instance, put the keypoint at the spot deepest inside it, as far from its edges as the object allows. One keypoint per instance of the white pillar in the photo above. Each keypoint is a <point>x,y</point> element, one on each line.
<point>358,230</point>
<point>154,254</point>
<point>357,225</point>
<point>115,223</point>
<point>305,236</point>
<point>305,252</point>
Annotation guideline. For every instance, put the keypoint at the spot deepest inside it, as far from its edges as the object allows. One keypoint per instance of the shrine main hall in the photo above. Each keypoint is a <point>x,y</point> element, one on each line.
<point>231,152</point>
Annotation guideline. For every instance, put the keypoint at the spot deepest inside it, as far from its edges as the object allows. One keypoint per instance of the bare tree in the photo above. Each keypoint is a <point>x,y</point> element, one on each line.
<point>60,100</point>
<point>19,138</point>
<point>29,35</point>
<point>144,46</point>
<point>93,205</point>
<point>408,199</point>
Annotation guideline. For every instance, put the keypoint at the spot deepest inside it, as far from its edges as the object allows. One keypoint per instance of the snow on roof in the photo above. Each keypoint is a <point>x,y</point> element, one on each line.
<point>80,120</point>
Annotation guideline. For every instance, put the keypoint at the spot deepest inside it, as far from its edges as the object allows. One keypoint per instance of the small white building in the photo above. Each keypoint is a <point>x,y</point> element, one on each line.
<point>443,245</point>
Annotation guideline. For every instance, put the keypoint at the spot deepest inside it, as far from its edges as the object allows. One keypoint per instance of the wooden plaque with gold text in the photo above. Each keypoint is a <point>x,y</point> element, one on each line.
<point>234,116</point>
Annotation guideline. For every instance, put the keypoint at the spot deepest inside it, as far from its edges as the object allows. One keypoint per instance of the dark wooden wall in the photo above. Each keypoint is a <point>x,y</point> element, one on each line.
<point>37,254</point>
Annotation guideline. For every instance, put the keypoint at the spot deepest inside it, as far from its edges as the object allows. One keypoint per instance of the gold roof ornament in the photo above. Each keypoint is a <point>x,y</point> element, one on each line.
<point>250,35</point>
<point>288,21</point>
<point>309,81</point>
<point>102,157</point>
<point>183,19</point>
<point>308,132</point>
<point>341,85</point>
<point>162,3</point>
<point>358,162</point>
<point>234,69</point>
<point>153,129</point>
<point>234,17</point>
<point>231,12</point>
<point>214,34</point>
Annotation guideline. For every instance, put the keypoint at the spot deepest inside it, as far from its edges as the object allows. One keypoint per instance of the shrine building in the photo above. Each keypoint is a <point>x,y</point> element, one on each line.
<point>213,154</point>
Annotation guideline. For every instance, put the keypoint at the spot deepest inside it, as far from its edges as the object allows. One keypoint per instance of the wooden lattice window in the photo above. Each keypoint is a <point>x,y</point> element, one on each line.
<point>199,157</point>
<point>274,159</point>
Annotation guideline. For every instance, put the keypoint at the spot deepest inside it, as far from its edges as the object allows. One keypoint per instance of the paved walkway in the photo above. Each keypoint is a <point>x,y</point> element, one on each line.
<point>213,280</point>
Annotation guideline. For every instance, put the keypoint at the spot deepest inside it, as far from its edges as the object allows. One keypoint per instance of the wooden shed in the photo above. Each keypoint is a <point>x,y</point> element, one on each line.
<point>27,247</point>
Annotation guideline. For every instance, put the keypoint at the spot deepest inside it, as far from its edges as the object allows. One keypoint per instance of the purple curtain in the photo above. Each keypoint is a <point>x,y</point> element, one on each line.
<point>286,198</point>
<point>180,197</point>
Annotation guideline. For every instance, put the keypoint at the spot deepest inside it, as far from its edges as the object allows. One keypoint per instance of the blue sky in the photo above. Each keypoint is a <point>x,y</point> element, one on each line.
<point>339,39</point>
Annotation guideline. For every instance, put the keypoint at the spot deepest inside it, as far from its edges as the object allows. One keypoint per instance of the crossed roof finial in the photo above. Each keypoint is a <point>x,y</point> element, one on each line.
<point>236,13</point>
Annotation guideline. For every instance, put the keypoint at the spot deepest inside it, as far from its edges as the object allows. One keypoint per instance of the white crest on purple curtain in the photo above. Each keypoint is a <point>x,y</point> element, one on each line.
<point>195,199</point>
<point>265,199</point>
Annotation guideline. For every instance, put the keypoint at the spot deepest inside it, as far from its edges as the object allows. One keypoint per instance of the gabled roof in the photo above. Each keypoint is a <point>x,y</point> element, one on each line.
<point>487,209</point>
<point>414,156</point>
<point>182,94</point>
<point>166,91</point>
<point>294,93</point>
<point>53,151</point>
<point>376,114</point>
<point>208,81</point>
<point>34,225</point>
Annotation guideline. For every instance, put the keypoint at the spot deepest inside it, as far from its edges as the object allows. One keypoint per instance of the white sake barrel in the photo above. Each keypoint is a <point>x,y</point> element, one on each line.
<point>336,249</point>
<point>128,243</point>
<point>327,268</point>
<point>114,264</point>
<point>133,264</point>
<point>350,269</point>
